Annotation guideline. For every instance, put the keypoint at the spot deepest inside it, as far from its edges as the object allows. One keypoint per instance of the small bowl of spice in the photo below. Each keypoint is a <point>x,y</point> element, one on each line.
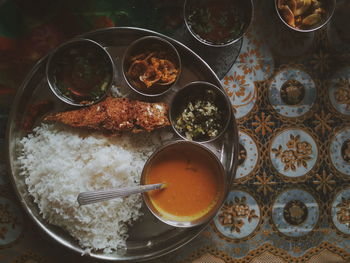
<point>200,112</point>
<point>305,15</point>
<point>151,66</point>
<point>218,23</point>
<point>80,72</point>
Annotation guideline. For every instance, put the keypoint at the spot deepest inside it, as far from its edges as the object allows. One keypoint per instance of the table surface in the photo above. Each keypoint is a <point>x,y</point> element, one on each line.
<point>290,201</point>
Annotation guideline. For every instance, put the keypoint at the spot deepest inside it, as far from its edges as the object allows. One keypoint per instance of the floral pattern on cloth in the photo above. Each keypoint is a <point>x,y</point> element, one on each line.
<point>263,124</point>
<point>297,155</point>
<point>343,214</point>
<point>293,152</point>
<point>340,211</point>
<point>232,213</point>
<point>253,64</point>
<point>339,151</point>
<point>248,156</point>
<point>339,91</point>
<point>342,93</point>
<point>239,216</point>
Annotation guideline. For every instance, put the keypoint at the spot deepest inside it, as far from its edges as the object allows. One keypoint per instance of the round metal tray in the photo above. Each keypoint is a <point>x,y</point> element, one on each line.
<point>148,237</point>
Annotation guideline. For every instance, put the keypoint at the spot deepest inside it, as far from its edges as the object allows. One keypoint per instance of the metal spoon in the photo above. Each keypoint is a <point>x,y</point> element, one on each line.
<point>91,197</point>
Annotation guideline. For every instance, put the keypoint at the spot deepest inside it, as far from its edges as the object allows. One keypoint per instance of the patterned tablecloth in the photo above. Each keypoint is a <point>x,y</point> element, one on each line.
<point>291,199</point>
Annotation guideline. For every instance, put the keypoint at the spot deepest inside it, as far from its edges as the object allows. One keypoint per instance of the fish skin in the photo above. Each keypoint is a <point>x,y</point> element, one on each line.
<point>116,115</point>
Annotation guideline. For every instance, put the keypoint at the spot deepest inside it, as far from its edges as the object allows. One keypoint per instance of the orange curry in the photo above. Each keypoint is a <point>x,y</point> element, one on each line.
<point>193,179</point>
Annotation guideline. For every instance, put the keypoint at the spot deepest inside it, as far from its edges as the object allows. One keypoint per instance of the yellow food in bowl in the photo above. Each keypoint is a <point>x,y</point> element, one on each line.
<point>194,182</point>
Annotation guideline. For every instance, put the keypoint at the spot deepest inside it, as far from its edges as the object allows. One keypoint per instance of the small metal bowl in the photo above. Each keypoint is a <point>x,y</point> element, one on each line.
<point>193,5</point>
<point>150,44</point>
<point>199,90</point>
<point>329,6</point>
<point>188,221</point>
<point>53,65</point>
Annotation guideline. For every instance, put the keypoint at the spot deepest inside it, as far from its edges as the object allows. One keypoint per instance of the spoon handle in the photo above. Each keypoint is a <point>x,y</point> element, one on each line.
<point>91,197</point>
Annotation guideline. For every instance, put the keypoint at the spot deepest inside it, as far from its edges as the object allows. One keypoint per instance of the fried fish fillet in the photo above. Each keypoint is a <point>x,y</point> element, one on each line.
<point>115,115</point>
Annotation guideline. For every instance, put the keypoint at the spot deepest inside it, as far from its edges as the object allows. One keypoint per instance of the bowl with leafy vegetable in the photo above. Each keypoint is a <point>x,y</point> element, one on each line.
<point>200,112</point>
<point>218,23</point>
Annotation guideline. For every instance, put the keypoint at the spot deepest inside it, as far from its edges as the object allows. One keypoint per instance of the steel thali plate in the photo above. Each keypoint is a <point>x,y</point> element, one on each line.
<point>148,237</point>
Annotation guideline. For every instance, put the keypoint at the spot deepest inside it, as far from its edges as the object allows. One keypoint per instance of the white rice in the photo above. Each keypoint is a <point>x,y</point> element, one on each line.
<point>58,163</point>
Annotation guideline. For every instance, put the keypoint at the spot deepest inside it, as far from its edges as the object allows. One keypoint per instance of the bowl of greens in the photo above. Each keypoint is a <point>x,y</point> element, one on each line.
<point>200,112</point>
<point>218,23</point>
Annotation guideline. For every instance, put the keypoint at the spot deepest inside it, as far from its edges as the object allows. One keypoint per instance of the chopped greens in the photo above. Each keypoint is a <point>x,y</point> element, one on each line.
<point>217,22</point>
<point>200,120</point>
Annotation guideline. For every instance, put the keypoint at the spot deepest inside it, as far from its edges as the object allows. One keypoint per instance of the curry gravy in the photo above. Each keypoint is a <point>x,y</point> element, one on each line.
<point>194,182</point>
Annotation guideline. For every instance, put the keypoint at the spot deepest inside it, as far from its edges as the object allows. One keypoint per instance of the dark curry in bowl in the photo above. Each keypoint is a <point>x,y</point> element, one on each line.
<point>80,72</point>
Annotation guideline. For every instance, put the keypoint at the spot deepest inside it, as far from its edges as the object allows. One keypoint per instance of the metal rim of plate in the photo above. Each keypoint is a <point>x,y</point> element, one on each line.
<point>176,237</point>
